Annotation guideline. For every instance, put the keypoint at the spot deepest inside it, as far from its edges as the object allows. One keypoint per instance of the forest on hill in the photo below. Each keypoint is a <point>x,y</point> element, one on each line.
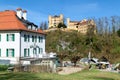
<point>73,45</point>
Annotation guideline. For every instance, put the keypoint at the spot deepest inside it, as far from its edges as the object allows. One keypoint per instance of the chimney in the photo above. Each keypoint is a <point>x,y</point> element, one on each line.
<point>24,14</point>
<point>19,12</point>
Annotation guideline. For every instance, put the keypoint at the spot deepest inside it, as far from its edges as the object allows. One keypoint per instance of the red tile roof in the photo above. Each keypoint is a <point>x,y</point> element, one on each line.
<point>9,21</point>
<point>82,23</point>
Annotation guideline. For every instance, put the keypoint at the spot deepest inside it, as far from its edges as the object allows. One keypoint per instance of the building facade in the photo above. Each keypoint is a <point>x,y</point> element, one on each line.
<point>72,25</point>
<point>85,25</point>
<point>19,38</point>
<point>53,21</point>
<point>81,26</point>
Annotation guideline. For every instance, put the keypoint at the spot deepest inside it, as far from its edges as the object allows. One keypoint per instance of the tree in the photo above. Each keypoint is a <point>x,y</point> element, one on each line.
<point>43,25</point>
<point>101,43</point>
<point>118,32</point>
<point>75,48</point>
<point>113,24</point>
<point>61,25</point>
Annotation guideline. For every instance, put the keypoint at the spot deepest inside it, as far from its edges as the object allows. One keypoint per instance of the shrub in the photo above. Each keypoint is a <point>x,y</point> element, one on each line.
<point>3,67</point>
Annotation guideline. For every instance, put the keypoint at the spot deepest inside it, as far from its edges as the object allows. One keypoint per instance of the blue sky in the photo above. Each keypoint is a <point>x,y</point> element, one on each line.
<point>38,10</point>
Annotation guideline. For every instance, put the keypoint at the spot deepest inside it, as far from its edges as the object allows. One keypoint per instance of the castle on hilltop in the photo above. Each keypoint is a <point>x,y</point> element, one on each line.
<point>81,26</point>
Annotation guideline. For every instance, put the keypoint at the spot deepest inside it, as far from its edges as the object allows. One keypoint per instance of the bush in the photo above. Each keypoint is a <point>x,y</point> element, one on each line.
<point>3,67</point>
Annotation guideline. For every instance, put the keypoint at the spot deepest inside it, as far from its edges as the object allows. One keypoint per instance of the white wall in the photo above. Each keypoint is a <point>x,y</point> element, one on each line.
<point>4,44</point>
<point>30,43</point>
<point>19,45</point>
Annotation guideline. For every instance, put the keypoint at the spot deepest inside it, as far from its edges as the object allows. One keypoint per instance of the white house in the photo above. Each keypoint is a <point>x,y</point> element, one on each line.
<point>19,38</point>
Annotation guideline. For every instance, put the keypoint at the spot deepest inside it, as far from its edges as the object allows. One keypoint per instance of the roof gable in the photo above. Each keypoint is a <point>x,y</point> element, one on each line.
<point>10,21</point>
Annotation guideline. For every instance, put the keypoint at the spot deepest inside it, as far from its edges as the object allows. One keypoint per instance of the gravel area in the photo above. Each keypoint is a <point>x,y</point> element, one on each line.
<point>69,70</point>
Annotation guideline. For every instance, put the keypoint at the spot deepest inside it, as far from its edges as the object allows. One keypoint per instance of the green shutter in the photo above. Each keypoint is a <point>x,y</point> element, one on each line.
<point>35,38</point>
<point>28,38</point>
<point>36,51</point>
<point>40,39</point>
<point>7,37</point>
<point>13,37</point>
<point>12,52</point>
<point>39,50</point>
<point>7,53</point>
<point>28,52</point>
<point>0,52</point>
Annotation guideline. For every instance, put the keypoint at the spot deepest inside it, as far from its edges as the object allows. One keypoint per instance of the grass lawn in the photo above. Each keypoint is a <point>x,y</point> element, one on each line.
<point>83,75</point>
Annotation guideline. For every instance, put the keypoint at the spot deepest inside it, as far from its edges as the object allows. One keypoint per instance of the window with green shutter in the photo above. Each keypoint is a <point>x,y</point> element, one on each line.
<point>10,52</point>
<point>7,53</point>
<point>7,37</point>
<point>32,38</point>
<point>40,50</point>
<point>25,38</point>
<point>0,37</point>
<point>0,52</point>
<point>13,37</point>
<point>35,38</point>
<point>34,51</point>
<point>10,37</point>
<point>40,39</point>
<point>28,52</point>
<point>24,52</point>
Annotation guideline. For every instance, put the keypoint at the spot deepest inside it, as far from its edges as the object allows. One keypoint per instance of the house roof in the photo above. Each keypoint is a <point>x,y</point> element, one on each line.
<point>10,21</point>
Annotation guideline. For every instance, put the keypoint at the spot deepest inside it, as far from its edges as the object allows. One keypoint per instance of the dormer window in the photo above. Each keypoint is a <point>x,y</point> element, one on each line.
<point>33,27</point>
<point>29,27</point>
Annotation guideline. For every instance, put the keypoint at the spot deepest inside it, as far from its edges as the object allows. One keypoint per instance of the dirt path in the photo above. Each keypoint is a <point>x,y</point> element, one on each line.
<point>69,70</point>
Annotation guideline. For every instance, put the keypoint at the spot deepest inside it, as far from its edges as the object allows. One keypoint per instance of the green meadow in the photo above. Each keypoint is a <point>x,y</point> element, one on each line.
<point>83,75</point>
